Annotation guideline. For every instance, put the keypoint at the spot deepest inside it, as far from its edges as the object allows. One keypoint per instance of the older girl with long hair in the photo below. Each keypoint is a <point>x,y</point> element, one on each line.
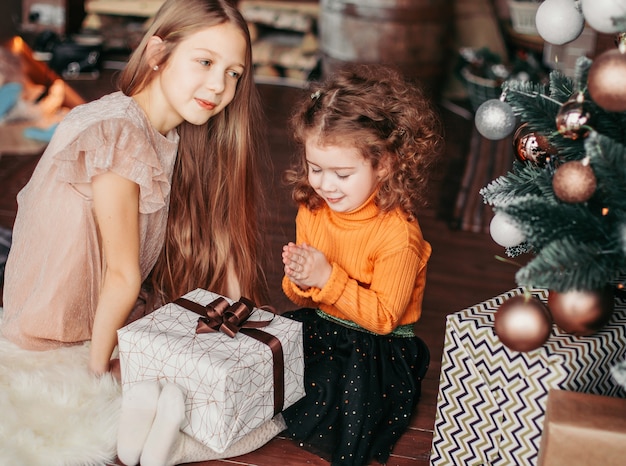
<point>157,184</point>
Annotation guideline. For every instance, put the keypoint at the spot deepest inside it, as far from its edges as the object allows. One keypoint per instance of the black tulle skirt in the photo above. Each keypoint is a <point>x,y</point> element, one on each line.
<point>361,390</point>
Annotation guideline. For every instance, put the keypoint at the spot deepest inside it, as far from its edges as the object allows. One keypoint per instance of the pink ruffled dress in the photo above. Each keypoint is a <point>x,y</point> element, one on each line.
<point>56,263</point>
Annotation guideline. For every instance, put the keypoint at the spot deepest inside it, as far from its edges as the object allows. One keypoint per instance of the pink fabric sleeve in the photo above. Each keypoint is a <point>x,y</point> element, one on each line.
<point>118,146</point>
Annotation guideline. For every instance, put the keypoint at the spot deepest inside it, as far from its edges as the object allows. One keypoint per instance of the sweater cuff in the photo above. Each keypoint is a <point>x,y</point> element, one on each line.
<point>334,287</point>
<point>294,291</point>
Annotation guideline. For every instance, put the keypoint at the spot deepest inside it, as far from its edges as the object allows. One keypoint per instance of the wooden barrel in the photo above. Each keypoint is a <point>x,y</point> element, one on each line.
<point>413,35</point>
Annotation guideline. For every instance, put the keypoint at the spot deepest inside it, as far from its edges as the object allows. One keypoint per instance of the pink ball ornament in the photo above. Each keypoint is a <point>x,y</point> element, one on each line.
<point>572,119</point>
<point>581,313</point>
<point>574,181</point>
<point>600,14</point>
<point>522,323</point>
<point>531,147</point>
<point>504,231</point>
<point>606,80</point>
<point>559,21</point>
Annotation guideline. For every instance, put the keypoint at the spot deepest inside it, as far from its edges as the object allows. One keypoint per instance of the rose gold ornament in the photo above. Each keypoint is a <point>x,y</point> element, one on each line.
<point>574,181</point>
<point>522,323</point>
<point>607,81</point>
<point>531,147</point>
<point>581,313</point>
<point>573,117</point>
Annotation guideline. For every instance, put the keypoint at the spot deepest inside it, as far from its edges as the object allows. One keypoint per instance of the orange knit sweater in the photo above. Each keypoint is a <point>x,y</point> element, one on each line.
<point>378,266</point>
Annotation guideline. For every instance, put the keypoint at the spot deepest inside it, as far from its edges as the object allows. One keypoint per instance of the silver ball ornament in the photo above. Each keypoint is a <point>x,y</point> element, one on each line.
<point>505,232</point>
<point>495,119</point>
<point>599,14</point>
<point>559,21</point>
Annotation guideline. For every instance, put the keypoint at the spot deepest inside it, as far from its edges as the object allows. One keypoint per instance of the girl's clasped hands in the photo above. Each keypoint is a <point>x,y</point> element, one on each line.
<point>306,266</point>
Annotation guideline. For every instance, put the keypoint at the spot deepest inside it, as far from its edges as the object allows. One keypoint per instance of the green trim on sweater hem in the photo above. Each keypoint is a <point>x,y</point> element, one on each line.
<point>402,331</point>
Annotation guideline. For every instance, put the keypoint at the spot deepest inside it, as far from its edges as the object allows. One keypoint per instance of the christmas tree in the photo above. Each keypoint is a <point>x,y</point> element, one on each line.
<point>567,192</point>
<point>563,202</point>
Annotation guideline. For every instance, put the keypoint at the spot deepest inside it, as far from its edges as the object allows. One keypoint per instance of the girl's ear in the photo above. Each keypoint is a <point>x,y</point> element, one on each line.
<point>154,49</point>
<point>384,167</point>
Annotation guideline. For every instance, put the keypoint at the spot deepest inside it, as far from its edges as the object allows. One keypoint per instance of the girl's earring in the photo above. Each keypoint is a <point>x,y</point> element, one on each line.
<point>155,68</point>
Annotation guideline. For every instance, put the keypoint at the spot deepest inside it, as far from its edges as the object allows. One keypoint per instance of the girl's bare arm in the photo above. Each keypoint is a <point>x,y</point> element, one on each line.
<point>116,204</point>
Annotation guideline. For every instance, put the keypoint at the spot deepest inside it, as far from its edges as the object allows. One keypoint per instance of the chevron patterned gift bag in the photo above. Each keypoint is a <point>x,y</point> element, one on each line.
<point>492,400</point>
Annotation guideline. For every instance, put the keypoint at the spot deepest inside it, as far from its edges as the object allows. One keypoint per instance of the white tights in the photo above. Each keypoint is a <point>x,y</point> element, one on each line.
<point>149,431</point>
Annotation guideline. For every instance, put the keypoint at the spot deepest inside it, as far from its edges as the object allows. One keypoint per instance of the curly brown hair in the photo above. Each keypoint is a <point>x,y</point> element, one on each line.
<point>390,120</point>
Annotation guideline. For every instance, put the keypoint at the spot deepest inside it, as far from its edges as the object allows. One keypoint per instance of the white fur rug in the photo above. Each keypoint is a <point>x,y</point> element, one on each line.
<point>52,411</point>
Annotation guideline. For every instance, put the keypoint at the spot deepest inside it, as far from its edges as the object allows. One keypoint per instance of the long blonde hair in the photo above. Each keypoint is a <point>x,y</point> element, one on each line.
<point>216,187</point>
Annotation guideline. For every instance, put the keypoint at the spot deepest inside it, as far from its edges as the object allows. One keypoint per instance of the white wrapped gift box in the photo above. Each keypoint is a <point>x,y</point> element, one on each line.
<point>229,382</point>
<point>492,400</point>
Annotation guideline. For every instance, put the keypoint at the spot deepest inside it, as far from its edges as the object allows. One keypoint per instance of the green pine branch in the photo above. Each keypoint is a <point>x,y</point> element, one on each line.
<point>608,161</point>
<point>546,220</point>
<point>567,264</point>
<point>522,180</point>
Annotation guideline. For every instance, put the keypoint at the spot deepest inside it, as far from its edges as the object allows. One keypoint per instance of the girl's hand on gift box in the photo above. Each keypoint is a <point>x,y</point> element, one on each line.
<point>306,266</point>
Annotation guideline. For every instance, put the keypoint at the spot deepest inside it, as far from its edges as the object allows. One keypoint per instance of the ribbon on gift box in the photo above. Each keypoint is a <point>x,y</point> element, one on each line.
<point>230,319</point>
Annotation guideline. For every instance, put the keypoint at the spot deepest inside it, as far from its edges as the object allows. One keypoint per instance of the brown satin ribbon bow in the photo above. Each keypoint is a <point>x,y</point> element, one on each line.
<point>230,319</point>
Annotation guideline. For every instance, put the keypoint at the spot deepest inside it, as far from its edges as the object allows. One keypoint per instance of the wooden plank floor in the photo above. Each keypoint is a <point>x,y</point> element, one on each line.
<point>463,269</point>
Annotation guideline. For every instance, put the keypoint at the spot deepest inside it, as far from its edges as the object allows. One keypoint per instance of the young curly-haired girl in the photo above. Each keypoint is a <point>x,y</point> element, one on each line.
<point>358,266</point>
